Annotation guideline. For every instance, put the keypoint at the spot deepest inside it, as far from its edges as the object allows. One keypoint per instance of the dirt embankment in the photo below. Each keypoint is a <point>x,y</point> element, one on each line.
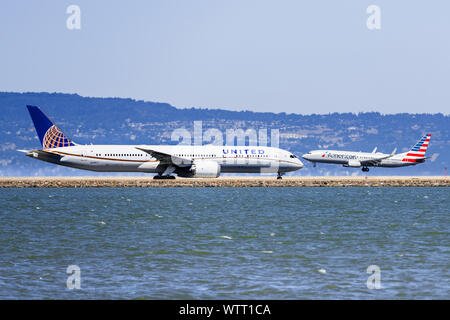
<point>232,181</point>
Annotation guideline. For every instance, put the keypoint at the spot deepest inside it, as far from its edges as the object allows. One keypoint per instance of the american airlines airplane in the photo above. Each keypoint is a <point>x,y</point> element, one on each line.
<point>165,160</point>
<point>352,159</point>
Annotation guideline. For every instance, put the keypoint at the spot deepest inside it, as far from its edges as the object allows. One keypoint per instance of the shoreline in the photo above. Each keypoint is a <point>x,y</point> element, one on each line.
<point>227,181</point>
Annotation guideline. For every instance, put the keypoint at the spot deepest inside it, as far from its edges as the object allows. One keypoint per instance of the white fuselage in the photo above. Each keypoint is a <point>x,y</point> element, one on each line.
<point>128,158</point>
<point>351,158</point>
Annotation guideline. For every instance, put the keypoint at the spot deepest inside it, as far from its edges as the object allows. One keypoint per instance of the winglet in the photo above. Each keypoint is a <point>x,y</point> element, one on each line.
<point>394,151</point>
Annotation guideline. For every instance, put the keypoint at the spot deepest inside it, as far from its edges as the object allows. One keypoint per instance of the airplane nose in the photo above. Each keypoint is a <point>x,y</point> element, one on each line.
<point>299,164</point>
<point>306,156</point>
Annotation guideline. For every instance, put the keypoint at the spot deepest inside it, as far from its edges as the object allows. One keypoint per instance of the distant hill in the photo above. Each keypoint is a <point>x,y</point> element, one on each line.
<point>127,121</point>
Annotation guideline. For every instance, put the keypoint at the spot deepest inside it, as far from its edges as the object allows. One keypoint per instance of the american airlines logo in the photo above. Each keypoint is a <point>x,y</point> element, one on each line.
<point>341,156</point>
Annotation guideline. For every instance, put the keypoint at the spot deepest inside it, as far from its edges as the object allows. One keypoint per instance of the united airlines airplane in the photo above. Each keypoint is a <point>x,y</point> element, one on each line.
<point>165,160</point>
<point>375,159</point>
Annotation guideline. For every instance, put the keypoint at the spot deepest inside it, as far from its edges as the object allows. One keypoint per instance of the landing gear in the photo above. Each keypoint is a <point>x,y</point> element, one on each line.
<point>365,169</point>
<point>279,176</point>
<point>161,177</point>
<point>166,174</point>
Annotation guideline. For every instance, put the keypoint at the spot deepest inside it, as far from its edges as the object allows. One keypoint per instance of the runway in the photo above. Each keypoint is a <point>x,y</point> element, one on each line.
<point>227,181</point>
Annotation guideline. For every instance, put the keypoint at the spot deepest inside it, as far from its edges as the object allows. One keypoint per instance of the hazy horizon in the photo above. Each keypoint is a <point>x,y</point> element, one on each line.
<point>264,56</point>
<point>218,108</point>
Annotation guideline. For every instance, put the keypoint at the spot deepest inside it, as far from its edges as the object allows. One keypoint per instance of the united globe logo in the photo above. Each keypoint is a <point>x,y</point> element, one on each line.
<point>54,138</point>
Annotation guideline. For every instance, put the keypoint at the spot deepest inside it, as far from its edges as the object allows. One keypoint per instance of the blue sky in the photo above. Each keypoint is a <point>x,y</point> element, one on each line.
<point>292,56</point>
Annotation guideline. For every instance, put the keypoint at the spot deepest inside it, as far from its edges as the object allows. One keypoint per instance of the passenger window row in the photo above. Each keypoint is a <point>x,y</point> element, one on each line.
<point>120,155</point>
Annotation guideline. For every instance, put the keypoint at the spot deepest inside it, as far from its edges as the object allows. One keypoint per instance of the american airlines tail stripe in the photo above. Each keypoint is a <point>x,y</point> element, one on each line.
<point>415,155</point>
<point>422,142</point>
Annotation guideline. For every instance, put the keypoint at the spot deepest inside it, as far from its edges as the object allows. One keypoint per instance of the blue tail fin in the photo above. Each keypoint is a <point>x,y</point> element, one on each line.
<point>49,134</point>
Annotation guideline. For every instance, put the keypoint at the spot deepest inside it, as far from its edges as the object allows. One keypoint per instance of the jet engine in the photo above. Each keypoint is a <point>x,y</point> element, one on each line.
<point>353,164</point>
<point>204,169</point>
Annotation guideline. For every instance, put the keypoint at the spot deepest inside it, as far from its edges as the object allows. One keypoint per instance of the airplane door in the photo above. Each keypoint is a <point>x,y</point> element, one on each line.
<point>83,157</point>
<point>92,160</point>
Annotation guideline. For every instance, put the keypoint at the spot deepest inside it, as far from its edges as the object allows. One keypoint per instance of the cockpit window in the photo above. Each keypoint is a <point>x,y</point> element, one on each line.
<point>293,156</point>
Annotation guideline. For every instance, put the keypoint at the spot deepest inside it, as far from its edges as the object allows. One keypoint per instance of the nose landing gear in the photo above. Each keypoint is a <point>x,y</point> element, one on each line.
<point>365,169</point>
<point>279,176</point>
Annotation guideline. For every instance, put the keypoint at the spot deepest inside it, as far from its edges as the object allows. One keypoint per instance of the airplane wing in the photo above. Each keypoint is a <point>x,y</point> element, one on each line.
<point>375,161</point>
<point>168,158</point>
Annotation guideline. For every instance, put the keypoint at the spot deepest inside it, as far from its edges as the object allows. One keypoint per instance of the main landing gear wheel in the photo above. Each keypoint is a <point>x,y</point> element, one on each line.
<point>279,177</point>
<point>365,169</point>
<point>160,177</point>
